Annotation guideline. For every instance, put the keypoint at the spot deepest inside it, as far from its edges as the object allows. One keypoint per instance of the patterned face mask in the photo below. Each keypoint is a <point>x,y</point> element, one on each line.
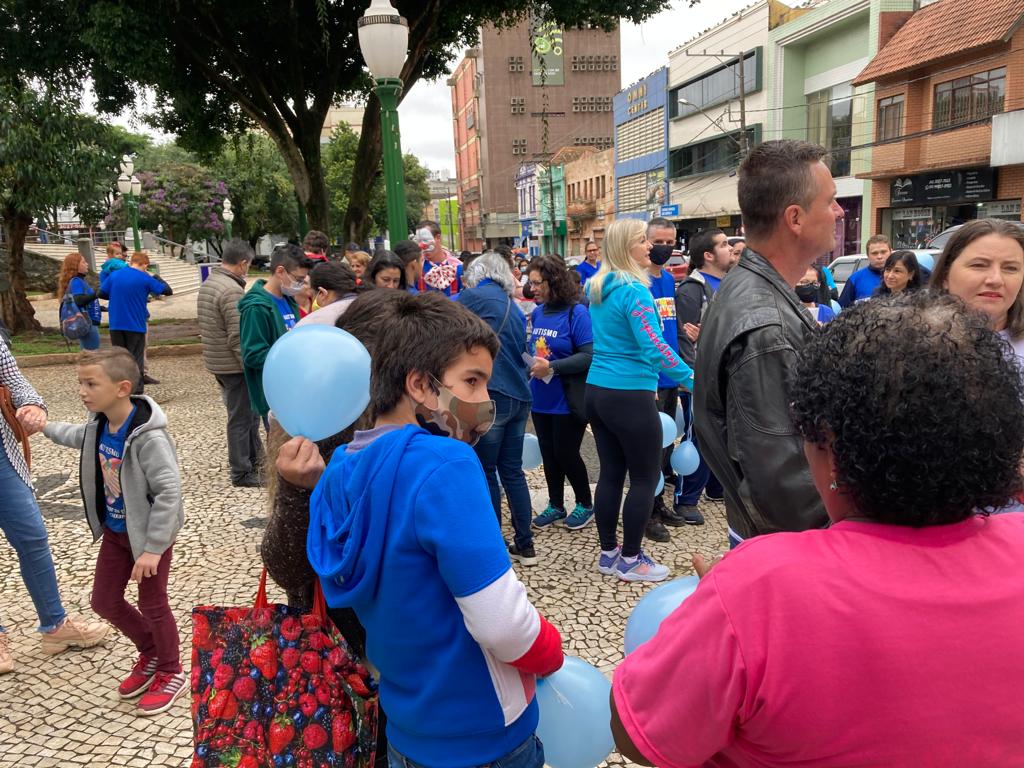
<point>454,417</point>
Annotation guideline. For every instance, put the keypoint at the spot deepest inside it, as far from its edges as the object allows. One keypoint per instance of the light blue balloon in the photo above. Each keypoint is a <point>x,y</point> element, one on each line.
<point>317,380</point>
<point>836,307</point>
<point>575,718</point>
<point>925,261</point>
<point>668,430</point>
<point>680,421</point>
<point>531,451</point>
<point>660,486</point>
<point>685,459</point>
<point>655,607</point>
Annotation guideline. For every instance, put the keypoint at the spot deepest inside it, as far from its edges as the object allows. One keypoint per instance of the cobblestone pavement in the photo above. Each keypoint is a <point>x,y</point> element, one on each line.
<point>64,710</point>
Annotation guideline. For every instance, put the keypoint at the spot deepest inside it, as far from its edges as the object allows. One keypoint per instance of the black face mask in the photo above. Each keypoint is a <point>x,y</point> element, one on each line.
<point>807,293</point>
<point>661,253</point>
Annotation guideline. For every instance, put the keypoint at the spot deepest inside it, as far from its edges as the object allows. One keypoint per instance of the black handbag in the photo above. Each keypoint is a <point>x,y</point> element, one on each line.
<point>575,384</point>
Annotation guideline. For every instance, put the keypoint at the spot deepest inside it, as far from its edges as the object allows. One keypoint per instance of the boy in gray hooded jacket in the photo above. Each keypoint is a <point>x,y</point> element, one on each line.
<point>131,489</point>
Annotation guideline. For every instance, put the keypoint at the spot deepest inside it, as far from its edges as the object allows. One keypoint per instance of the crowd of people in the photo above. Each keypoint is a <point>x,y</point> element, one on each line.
<point>869,461</point>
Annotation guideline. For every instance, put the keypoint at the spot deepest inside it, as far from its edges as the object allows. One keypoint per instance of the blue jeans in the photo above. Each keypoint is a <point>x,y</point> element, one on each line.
<point>529,754</point>
<point>688,493</point>
<point>501,453</point>
<point>91,340</point>
<point>22,524</point>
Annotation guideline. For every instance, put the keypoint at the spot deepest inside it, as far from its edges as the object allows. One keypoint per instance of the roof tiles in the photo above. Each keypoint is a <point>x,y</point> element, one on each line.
<point>946,28</point>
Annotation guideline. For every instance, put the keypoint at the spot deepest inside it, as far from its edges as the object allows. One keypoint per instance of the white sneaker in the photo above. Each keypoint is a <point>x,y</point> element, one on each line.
<point>641,569</point>
<point>77,633</point>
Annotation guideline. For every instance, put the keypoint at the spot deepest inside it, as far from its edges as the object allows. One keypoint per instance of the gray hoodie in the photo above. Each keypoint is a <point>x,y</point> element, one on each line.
<point>150,481</point>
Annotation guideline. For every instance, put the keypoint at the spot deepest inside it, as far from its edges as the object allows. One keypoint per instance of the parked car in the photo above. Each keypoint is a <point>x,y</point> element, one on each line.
<point>937,243</point>
<point>845,266</point>
<point>678,265</point>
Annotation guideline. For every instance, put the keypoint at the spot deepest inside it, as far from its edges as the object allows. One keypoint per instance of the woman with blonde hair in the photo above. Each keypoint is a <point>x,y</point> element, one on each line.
<point>621,404</point>
<point>72,280</point>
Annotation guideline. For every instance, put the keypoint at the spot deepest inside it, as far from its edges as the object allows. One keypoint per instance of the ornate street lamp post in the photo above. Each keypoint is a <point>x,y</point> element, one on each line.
<point>229,216</point>
<point>384,42</point>
<point>129,185</point>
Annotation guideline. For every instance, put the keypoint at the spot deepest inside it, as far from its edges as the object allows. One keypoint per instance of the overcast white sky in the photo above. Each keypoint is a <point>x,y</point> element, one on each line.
<point>425,114</point>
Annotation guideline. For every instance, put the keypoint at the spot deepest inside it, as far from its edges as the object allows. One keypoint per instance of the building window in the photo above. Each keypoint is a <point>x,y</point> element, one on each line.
<point>591,103</point>
<point>518,146</point>
<point>595,63</point>
<point>515,64</point>
<point>641,136</point>
<point>718,86</point>
<point>517,105</point>
<point>890,118</point>
<point>598,142</point>
<point>970,98</point>
<point>721,153</point>
<point>830,123</point>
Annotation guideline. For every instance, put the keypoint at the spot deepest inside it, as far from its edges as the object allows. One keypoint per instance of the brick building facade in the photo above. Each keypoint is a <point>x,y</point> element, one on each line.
<point>518,97</point>
<point>942,79</point>
<point>590,198</point>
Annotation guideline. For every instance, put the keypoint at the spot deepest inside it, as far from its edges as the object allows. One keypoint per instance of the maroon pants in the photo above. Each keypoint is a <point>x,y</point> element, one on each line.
<point>151,626</point>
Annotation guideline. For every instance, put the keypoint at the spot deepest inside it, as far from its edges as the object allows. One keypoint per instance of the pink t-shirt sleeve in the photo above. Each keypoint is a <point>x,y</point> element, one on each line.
<point>697,658</point>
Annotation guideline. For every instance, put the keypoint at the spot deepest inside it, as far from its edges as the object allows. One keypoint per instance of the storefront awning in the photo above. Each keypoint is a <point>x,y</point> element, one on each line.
<point>705,198</point>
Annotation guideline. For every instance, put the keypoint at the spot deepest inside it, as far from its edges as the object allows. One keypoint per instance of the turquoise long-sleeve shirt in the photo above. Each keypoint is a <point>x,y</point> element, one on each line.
<point>629,346</point>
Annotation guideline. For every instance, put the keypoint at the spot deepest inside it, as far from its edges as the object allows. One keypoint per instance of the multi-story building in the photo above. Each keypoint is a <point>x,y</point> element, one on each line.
<point>347,114</point>
<point>518,97</point>
<point>528,196</point>
<point>812,61</point>
<point>716,95</point>
<point>590,198</point>
<point>948,112</point>
<point>641,147</point>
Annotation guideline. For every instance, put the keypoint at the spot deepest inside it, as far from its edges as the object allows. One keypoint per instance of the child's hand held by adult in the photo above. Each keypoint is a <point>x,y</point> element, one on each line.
<point>32,418</point>
<point>300,463</point>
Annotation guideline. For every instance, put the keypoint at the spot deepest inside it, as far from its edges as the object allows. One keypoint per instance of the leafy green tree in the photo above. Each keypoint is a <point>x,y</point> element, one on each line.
<point>261,191</point>
<point>339,161</point>
<point>220,68</point>
<point>50,156</point>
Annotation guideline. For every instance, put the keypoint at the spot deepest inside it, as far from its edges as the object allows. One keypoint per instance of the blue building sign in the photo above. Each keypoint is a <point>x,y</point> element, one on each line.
<point>641,123</point>
<point>669,211</point>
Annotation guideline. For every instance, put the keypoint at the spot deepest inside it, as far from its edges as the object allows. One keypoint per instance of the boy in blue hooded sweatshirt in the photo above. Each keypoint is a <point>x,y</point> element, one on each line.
<point>402,530</point>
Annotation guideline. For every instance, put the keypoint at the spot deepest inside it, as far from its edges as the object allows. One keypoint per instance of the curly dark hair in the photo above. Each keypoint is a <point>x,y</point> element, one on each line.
<point>561,287</point>
<point>921,403</point>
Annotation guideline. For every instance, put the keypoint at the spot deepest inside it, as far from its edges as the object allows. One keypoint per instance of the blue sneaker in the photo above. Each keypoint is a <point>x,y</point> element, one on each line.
<point>548,517</point>
<point>606,563</point>
<point>579,518</point>
<point>642,568</point>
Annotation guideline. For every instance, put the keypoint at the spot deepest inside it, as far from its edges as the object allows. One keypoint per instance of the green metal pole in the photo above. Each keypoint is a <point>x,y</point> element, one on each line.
<point>134,203</point>
<point>227,229</point>
<point>388,90</point>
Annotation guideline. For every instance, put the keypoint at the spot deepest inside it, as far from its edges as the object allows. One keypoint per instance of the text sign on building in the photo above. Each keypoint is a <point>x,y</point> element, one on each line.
<point>637,98</point>
<point>669,211</point>
<point>968,185</point>
<point>546,38</point>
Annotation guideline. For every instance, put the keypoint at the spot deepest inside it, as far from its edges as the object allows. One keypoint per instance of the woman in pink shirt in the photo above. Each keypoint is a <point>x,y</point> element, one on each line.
<point>892,638</point>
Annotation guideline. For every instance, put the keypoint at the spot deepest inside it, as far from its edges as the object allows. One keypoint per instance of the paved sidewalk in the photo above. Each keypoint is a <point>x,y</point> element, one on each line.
<point>63,710</point>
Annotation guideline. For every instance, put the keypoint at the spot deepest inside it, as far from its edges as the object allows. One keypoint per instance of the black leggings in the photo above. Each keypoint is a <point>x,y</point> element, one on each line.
<point>627,430</point>
<point>560,437</point>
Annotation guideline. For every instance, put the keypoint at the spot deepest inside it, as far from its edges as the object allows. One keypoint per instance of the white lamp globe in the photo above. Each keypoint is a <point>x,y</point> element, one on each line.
<point>383,40</point>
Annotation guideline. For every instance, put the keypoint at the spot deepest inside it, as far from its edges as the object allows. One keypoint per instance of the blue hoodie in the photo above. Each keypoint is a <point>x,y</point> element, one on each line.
<point>398,531</point>
<point>630,351</point>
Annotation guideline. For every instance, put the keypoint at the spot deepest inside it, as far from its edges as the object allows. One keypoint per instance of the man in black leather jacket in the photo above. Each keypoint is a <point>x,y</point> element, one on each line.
<point>750,337</point>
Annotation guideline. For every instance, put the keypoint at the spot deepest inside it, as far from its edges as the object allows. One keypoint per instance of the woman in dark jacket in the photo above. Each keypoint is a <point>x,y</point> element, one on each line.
<point>489,292</point>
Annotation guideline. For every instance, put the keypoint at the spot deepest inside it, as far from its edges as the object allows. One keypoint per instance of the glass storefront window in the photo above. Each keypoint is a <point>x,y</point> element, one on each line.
<point>830,123</point>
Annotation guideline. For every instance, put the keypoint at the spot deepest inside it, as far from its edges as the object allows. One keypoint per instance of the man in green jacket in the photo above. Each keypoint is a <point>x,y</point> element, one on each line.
<point>267,312</point>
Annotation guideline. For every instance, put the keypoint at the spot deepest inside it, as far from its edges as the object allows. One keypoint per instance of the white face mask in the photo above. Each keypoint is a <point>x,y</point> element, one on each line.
<point>294,289</point>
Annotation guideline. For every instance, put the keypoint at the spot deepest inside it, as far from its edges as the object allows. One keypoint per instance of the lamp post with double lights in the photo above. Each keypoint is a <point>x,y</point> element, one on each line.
<point>129,185</point>
<point>229,216</point>
<point>384,42</point>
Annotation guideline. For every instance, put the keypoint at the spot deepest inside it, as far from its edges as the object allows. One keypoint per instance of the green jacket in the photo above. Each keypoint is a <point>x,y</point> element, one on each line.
<point>260,324</point>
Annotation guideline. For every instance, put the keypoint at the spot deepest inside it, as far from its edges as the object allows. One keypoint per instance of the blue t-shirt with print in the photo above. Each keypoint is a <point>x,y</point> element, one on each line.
<point>587,271</point>
<point>556,336</point>
<point>663,289</point>
<point>286,312</point>
<point>111,451</point>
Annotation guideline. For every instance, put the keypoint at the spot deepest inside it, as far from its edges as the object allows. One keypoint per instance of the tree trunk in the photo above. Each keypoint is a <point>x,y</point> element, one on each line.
<point>15,308</point>
<point>367,163</point>
<point>302,158</point>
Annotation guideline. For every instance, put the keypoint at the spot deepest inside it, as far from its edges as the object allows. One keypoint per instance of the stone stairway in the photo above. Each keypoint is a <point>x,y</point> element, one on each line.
<point>179,274</point>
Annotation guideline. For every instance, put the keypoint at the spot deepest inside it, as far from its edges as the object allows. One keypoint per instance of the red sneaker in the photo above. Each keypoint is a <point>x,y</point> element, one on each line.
<point>139,680</point>
<point>163,692</point>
